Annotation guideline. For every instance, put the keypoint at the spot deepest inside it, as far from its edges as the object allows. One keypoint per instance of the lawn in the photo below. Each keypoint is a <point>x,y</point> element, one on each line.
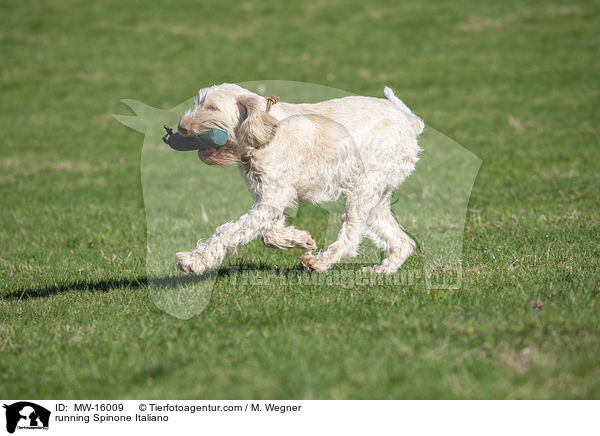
<point>515,83</point>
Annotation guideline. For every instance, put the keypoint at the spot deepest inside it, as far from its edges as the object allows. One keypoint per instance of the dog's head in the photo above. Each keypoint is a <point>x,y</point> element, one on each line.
<point>243,114</point>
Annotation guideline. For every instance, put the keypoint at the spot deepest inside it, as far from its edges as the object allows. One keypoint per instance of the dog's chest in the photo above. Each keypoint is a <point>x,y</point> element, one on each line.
<point>311,180</point>
<point>253,175</point>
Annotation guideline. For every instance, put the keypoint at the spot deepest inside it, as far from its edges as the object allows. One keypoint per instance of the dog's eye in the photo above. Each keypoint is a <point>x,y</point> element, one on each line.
<point>210,107</point>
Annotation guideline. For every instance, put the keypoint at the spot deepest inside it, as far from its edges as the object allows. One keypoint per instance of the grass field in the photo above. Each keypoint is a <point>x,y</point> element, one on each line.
<point>517,83</point>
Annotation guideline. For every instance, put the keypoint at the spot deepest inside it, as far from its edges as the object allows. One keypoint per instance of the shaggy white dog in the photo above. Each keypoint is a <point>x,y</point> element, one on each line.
<point>358,147</point>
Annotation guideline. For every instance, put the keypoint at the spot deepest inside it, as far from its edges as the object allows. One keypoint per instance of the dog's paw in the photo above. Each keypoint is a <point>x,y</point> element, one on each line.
<point>380,269</point>
<point>312,263</point>
<point>309,243</point>
<point>189,262</point>
<point>296,239</point>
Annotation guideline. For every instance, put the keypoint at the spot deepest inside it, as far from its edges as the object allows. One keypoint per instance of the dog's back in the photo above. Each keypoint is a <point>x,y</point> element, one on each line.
<point>384,131</point>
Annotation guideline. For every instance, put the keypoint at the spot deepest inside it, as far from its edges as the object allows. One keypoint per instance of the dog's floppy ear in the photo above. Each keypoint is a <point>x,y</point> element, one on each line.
<point>258,126</point>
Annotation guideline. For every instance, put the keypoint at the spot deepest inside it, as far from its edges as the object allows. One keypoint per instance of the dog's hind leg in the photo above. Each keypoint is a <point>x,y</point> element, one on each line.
<point>284,237</point>
<point>387,234</point>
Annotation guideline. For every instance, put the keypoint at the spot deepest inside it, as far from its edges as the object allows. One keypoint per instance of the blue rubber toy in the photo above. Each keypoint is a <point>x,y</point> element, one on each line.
<point>212,138</point>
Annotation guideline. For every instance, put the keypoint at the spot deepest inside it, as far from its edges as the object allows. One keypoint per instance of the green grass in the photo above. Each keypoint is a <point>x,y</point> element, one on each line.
<point>517,83</point>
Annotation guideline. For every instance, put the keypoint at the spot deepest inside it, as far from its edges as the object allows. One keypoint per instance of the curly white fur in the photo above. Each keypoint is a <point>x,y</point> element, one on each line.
<point>358,147</point>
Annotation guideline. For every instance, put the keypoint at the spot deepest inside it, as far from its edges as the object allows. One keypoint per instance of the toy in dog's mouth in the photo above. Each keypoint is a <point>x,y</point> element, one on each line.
<point>206,143</point>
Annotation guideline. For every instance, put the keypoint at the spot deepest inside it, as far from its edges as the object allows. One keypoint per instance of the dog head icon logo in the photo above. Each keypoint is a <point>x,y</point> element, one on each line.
<point>24,414</point>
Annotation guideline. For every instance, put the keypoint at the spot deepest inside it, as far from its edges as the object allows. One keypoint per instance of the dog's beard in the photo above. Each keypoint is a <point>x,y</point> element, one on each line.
<point>218,156</point>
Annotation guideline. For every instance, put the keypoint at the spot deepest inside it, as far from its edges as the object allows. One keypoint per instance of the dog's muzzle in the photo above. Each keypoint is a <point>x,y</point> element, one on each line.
<point>212,138</point>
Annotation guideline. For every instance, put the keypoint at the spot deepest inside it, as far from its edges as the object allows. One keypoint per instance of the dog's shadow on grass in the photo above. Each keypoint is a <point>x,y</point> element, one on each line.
<point>167,281</point>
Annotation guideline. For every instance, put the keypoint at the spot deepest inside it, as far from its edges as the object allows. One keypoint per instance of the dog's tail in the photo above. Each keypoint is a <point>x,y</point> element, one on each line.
<point>415,121</point>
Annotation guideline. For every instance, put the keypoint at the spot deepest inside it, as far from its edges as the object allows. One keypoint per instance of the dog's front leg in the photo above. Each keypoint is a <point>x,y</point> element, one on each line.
<point>226,238</point>
<point>358,205</point>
